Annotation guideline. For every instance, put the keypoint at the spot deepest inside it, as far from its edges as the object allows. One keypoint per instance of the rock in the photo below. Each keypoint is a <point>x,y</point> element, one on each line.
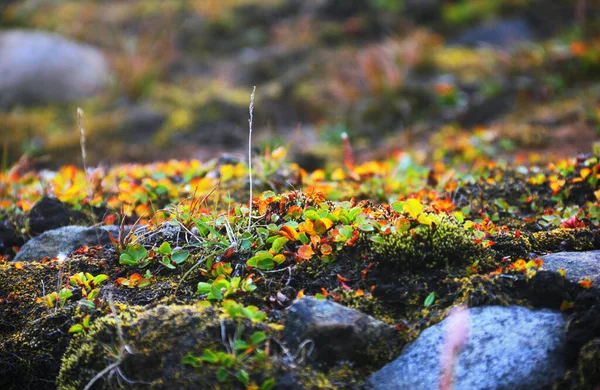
<point>578,265</point>
<point>64,241</point>
<point>8,239</point>
<point>508,348</point>
<point>51,213</point>
<point>501,33</point>
<point>338,333</point>
<point>40,67</point>
<point>156,342</point>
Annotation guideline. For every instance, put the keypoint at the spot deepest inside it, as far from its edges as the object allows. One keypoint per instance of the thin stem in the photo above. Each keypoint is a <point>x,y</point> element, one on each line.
<point>250,156</point>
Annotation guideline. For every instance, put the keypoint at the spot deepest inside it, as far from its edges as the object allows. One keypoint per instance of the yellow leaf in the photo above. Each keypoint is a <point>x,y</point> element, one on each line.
<point>338,174</point>
<point>413,208</point>
<point>425,219</point>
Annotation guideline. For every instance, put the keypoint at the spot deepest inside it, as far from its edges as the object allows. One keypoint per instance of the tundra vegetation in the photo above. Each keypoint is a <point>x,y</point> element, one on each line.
<point>208,253</point>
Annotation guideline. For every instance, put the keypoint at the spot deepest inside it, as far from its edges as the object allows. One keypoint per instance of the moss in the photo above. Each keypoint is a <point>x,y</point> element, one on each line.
<point>159,339</point>
<point>508,245</point>
<point>444,243</point>
<point>563,239</point>
<point>586,375</point>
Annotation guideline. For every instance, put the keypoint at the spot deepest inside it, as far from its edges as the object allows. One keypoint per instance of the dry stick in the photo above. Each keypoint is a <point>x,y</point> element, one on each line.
<point>251,108</point>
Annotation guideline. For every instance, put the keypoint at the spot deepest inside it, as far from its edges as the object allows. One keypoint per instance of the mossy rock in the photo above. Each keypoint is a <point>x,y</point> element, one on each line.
<point>563,239</point>
<point>509,245</point>
<point>154,344</point>
<point>445,242</point>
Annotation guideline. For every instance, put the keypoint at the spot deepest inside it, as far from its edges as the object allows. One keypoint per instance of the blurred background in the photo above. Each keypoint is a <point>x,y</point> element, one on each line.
<point>161,79</point>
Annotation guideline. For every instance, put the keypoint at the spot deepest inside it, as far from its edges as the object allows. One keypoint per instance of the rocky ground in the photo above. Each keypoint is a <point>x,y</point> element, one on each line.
<point>450,239</point>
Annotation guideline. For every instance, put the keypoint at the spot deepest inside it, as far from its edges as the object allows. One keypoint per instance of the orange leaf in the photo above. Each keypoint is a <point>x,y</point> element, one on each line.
<point>289,232</point>
<point>326,249</point>
<point>342,279</point>
<point>300,294</point>
<point>134,278</point>
<point>18,265</point>
<point>359,293</point>
<point>305,252</point>
<point>322,225</point>
<point>586,283</point>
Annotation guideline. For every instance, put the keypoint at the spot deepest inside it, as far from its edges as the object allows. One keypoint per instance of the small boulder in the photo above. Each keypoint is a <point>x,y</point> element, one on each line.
<point>64,241</point>
<point>503,33</point>
<point>338,333</point>
<point>157,344</point>
<point>51,213</point>
<point>40,67</point>
<point>578,265</point>
<point>508,348</point>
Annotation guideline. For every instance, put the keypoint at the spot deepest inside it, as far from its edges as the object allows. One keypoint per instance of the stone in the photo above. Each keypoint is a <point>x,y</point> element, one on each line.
<point>8,239</point>
<point>337,333</point>
<point>51,213</point>
<point>503,33</point>
<point>577,265</point>
<point>63,241</point>
<point>508,348</point>
<point>41,67</point>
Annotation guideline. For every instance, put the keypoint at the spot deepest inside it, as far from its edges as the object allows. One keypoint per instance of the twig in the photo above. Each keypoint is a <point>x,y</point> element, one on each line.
<point>251,108</point>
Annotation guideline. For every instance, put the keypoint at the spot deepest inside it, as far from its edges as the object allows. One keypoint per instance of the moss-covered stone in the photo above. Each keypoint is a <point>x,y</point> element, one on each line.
<point>444,242</point>
<point>563,239</point>
<point>508,245</point>
<point>155,342</point>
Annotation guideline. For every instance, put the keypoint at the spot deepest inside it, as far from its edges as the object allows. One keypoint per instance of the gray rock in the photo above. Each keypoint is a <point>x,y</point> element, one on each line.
<point>40,67</point>
<point>503,33</point>
<point>578,265</point>
<point>337,333</point>
<point>508,348</point>
<point>64,241</point>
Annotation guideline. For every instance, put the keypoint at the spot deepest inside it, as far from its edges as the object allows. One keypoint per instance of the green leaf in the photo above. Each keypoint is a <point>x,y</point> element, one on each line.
<point>209,357</point>
<point>430,298</point>
<point>100,278</point>
<point>311,214</point>
<point>167,262</point>
<point>137,252</point>
<point>179,257</point>
<point>377,238</point>
<point>215,293</point>
<point>126,259</point>
<point>77,328</point>
<point>191,360</point>
<point>398,206</point>
<point>203,288</point>
<point>243,377</point>
<point>265,264</point>
<point>268,384</point>
<point>257,338</point>
<point>278,244</point>
<point>87,303</point>
<point>366,227</point>
<point>346,231</point>
<point>165,248</point>
<point>241,345</point>
<point>222,375</point>
<point>304,238</point>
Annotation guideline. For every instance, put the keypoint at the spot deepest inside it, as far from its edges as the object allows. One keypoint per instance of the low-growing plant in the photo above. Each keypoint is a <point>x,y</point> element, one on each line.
<point>223,286</point>
<point>134,255</point>
<point>231,362</point>
<point>171,258</point>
